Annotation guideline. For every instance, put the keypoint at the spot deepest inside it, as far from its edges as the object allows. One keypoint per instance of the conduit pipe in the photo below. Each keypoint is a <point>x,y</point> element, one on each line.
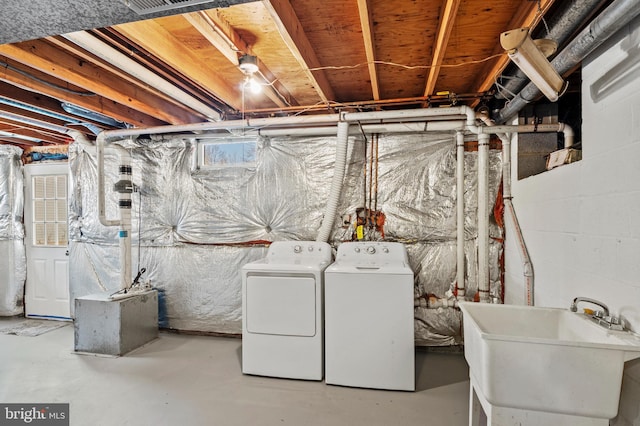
<point>613,18</point>
<point>483,217</point>
<point>123,62</point>
<point>336,183</point>
<point>460,276</point>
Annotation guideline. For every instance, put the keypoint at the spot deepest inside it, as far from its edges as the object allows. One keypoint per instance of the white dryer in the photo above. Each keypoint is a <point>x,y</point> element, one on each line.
<point>369,331</point>
<point>282,317</point>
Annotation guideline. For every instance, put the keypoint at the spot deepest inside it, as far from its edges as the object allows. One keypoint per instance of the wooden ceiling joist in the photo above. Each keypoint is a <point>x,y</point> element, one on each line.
<point>364,10</point>
<point>34,81</point>
<point>296,40</point>
<point>47,58</point>
<point>447,22</point>
<point>20,129</point>
<point>224,38</point>
<point>160,42</point>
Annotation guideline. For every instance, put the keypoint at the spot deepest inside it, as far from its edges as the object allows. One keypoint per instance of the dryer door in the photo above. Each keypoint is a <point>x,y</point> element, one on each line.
<point>281,305</point>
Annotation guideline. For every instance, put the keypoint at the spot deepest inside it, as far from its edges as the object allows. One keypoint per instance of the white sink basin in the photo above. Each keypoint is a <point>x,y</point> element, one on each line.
<point>546,359</point>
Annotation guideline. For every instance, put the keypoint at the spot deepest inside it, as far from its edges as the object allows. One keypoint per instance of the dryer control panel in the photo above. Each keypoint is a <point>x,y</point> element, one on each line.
<point>372,253</point>
<point>299,252</point>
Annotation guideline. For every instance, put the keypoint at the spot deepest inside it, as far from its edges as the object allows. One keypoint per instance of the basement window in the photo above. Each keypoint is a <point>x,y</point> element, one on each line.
<point>225,153</point>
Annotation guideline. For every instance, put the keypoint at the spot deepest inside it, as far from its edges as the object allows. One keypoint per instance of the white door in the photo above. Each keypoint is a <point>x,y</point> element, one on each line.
<point>46,229</point>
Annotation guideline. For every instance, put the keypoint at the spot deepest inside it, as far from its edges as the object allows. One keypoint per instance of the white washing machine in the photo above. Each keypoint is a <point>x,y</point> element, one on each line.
<point>282,317</point>
<point>369,336</point>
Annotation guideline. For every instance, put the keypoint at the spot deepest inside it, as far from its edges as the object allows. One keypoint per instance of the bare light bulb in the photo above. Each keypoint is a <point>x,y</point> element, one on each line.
<point>254,86</point>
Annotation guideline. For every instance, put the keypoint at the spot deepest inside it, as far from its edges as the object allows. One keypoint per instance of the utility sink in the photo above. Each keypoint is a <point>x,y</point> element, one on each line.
<point>546,359</point>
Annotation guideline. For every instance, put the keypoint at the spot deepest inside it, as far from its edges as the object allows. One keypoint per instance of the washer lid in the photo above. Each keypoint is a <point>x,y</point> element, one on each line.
<point>281,305</point>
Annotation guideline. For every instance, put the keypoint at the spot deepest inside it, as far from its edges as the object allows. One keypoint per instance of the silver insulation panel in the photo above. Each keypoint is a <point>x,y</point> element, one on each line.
<point>13,265</point>
<point>194,229</point>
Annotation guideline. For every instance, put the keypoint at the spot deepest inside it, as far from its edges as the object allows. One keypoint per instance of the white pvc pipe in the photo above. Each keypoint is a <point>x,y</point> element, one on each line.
<point>413,127</point>
<point>460,276</point>
<point>442,113</point>
<point>336,183</point>
<point>527,266</point>
<point>247,124</point>
<point>124,234</point>
<point>102,216</point>
<point>483,217</point>
<point>533,128</point>
<point>123,62</point>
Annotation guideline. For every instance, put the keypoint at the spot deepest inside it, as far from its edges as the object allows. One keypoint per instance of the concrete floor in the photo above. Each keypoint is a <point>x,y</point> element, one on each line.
<point>197,380</point>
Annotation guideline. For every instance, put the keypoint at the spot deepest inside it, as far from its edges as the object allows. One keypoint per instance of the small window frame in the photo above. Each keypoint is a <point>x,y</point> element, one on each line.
<point>247,145</point>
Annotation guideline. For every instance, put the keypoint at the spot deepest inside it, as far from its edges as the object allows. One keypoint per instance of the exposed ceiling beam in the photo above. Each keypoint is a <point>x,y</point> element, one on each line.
<point>526,17</point>
<point>160,42</point>
<point>447,22</point>
<point>293,35</point>
<point>35,81</point>
<point>44,103</point>
<point>15,127</point>
<point>103,55</point>
<point>49,59</point>
<point>369,47</point>
<point>209,30</point>
<point>224,38</point>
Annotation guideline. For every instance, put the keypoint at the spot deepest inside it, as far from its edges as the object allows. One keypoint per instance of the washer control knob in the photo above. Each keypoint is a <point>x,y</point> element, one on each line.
<point>357,249</point>
<point>297,249</point>
<point>386,250</point>
<point>310,248</point>
<point>371,249</point>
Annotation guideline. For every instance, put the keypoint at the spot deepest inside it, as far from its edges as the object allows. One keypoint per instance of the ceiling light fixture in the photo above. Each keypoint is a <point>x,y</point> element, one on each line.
<point>531,57</point>
<point>248,64</point>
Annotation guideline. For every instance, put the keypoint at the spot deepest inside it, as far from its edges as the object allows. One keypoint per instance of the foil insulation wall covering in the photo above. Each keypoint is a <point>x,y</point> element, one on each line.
<point>197,228</point>
<point>13,265</point>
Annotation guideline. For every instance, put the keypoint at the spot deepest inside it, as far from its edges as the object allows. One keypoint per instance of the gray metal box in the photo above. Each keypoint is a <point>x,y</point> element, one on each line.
<point>115,327</point>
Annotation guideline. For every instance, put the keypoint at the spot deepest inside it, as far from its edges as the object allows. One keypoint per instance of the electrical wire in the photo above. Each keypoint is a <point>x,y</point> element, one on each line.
<point>410,67</point>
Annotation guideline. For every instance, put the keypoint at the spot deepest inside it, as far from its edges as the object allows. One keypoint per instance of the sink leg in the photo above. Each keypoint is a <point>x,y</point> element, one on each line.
<point>482,413</point>
<point>477,416</point>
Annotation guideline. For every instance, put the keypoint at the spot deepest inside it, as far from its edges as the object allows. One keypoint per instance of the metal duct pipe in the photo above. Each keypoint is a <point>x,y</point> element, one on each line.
<point>483,218</point>
<point>612,19</point>
<point>570,17</point>
<point>336,183</point>
<point>106,52</point>
<point>460,281</point>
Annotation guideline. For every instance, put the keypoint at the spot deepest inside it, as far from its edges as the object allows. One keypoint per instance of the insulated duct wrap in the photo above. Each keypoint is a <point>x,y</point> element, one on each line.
<point>13,265</point>
<point>196,228</point>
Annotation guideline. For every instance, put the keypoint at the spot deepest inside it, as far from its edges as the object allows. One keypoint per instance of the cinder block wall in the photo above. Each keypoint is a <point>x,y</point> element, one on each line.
<point>581,222</point>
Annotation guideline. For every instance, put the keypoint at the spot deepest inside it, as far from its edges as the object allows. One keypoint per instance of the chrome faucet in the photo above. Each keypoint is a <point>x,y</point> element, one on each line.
<point>600,317</point>
<point>574,304</point>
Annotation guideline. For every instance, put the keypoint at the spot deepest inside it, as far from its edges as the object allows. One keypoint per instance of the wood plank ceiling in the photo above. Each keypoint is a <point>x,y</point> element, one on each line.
<point>313,56</point>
